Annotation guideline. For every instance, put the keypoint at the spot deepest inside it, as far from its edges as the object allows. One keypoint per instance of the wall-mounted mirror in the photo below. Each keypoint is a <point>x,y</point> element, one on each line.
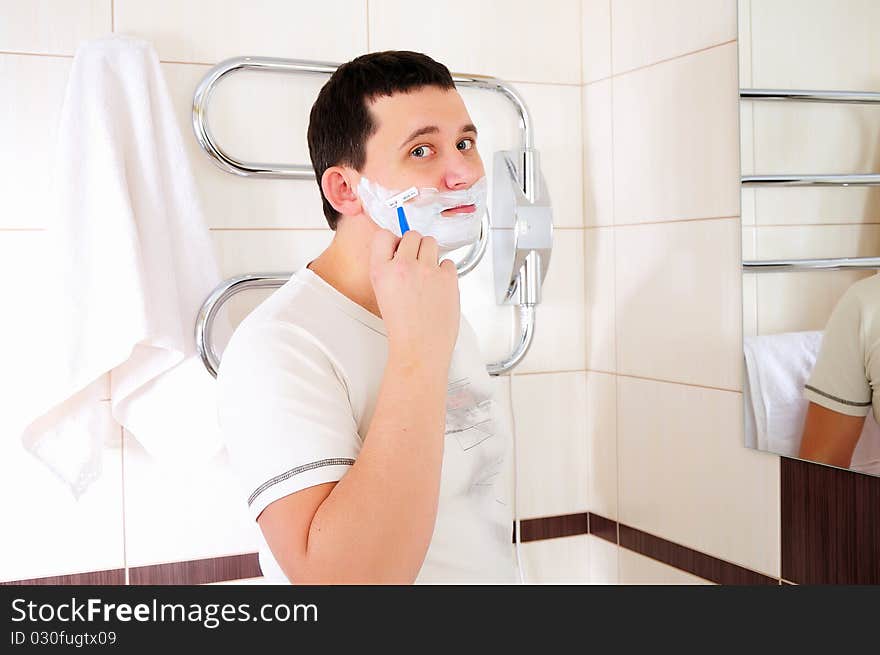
<point>811,207</point>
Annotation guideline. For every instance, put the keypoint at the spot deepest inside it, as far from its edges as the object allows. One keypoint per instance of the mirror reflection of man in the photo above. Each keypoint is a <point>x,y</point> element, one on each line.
<point>843,386</point>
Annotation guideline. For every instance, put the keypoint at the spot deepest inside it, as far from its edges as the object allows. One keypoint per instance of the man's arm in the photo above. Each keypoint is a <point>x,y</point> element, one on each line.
<point>374,525</point>
<point>830,437</point>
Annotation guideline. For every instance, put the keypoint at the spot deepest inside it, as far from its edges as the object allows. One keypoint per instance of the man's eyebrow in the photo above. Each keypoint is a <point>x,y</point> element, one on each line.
<point>433,129</point>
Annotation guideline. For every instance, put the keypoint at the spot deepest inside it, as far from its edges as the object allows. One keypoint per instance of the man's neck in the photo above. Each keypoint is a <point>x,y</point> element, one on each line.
<point>345,264</point>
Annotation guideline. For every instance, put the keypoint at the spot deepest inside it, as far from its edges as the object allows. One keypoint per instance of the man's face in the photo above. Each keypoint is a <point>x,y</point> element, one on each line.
<point>424,138</point>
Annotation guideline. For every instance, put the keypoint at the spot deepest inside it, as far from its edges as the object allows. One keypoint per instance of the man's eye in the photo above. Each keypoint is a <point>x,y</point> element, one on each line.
<point>470,144</point>
<point>420,152</point>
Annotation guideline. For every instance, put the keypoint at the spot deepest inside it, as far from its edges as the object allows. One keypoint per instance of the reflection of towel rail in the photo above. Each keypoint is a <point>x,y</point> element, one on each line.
<point>797,265</point>
<point>856,179</point>
<point>795,95</point>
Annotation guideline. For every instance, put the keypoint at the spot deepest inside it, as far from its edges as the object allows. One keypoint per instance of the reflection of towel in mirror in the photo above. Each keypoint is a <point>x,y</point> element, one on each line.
<point>132,263</point>
<point>777,367</point>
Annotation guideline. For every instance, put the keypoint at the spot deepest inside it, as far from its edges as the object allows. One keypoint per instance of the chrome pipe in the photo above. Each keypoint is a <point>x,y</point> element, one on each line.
<point>798,265</point>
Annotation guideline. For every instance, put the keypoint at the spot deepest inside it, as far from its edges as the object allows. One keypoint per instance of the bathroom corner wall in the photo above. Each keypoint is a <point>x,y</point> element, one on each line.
<point>143,524</point>
<point>674,495</point>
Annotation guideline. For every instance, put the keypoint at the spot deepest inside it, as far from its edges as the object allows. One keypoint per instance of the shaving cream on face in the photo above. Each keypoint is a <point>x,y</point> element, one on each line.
<point>423,211</point>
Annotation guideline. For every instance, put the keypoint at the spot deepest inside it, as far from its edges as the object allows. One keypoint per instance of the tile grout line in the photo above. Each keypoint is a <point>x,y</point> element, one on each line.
<point>588,436</point>
<point>614,301</point>
<point>668,59</point>
<point>124,537</point>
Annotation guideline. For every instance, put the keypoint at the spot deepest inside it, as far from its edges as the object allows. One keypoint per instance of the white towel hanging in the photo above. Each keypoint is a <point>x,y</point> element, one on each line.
<point>132,262</point>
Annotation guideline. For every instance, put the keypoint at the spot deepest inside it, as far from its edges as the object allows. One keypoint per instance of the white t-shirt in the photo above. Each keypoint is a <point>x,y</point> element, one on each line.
<point>297,387</point>
<point>846,378</point>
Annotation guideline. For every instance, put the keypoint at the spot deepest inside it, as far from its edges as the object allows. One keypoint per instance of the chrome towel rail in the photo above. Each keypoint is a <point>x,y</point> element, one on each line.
<point>236,166</point>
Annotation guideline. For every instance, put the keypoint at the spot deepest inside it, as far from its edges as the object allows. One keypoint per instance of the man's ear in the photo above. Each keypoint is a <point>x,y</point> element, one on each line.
<point>337,185</point>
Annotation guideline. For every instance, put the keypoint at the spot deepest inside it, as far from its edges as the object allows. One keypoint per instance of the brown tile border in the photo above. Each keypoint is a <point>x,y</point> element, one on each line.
<point>603,528</point>
<point>109,577</point>
<point>238,567</point>
<point>690,560</point>
<point>551,527</point>
<point>198,571</point>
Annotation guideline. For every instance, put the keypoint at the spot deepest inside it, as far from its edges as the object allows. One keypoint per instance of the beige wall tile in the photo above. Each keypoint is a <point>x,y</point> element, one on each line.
<point>679,303</point>
<point>596,34</point>
<point>564,560</point>
<point>33,91</point>
<point>636,569</point>
<point>486,37</point>
<point>675,139</point>
<point>49,532</point>
<point>207,31</point>
<point>603,561</point>
<point>51,27</point>
<point>598,165</point>
<point>645,32</point>
<point>552,450</point>
<point>686,476</point>
<point>176,513</point>
<point>600,314</point>
<point>601,417</point>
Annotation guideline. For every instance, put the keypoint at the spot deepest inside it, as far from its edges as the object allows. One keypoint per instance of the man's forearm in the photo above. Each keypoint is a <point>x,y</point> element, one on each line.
<point>376,525</point>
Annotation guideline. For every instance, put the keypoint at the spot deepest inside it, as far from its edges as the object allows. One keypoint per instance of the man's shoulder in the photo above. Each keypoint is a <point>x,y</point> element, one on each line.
<point>272,329</point>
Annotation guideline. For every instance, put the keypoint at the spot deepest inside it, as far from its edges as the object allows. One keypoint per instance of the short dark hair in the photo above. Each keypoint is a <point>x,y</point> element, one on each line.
<point>340,122</point>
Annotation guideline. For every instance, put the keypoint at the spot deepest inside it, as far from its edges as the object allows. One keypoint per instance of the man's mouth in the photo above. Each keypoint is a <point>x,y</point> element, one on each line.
<point>461,209</point>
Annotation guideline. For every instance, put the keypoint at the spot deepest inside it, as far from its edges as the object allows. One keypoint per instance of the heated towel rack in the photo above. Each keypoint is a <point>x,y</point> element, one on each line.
<point>798,180</point>
<point>533,268</point>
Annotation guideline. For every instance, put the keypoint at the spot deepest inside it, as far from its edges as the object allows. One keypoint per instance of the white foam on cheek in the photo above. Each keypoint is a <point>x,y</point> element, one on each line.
<point>424,214</point>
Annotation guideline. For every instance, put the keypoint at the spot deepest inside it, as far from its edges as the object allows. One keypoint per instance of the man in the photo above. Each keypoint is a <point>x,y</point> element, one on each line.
<point>354,402</point>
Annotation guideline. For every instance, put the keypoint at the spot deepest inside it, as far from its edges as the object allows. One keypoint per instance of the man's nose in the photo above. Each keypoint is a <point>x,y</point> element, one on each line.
<point>460,171</point>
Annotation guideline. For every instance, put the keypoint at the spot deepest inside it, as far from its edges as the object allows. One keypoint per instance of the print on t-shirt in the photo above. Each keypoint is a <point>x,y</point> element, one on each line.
<point>470,421</point>
<point>468,414</point>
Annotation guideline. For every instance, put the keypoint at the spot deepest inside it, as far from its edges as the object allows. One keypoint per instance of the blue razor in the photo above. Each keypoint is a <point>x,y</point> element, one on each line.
<point>401,218</point>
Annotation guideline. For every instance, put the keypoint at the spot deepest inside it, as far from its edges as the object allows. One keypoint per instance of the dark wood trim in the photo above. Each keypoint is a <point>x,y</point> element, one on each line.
<point>108,577</point>
<point>237,567</point>
<point>198,571</point>
<point>603,528</point>
<point>830,524</point>
<point>690,560</point>
<point>551,527</point>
